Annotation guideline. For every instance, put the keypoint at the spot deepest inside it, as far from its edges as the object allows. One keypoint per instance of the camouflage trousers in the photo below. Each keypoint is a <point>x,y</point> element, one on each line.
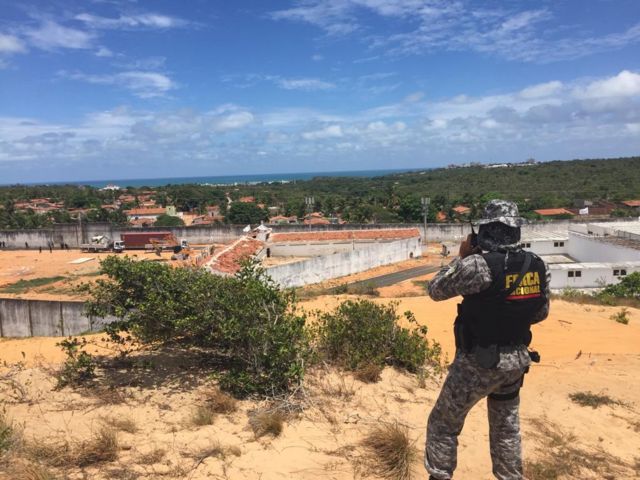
<point>465,385</point>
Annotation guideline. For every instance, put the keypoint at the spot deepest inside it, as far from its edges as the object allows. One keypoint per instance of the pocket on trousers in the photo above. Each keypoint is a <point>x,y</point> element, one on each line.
<point>486,357</point>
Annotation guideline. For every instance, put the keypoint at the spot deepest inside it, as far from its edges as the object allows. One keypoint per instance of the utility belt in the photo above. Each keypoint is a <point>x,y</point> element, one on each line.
<point>487,356</point>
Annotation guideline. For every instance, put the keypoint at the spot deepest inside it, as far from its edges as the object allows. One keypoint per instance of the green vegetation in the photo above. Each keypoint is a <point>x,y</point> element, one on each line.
<point>246,213</point>
<point>622,316</point>
<point>359,332</point>
<point>246,321</point>
<point>79,367</point>
<point>384,199</point>
<point>22,286</point>
<point>247,326</point>
<point>628,287</point>
<point>624,293</point>
<point>168,221</point>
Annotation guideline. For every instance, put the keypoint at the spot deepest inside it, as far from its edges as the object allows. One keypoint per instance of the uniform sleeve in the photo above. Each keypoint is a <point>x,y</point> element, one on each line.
<point>463,276</point>
<point>543,312</point>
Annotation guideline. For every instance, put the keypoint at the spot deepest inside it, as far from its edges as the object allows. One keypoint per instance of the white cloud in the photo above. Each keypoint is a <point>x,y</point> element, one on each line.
<point>104,52</point>
<point>317,57</point>
<point>233,121</point>
<point>330,131</point>
<point>308,84</point>
<point>11,44</point>
<point>141,84</point>
<point>147,20</point>
<point>548,120</point>
<point>541,90</point>
<point>462,25</point>
<point>52,36</point>
<point>625,84</point>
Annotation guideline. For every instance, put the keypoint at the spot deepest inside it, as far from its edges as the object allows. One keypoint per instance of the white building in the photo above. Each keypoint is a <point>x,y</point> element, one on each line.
<point>597,254</point>
<point>589,274</point>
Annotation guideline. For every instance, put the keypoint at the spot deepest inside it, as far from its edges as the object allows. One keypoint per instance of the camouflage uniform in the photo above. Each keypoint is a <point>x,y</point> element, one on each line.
<point>467,382</point>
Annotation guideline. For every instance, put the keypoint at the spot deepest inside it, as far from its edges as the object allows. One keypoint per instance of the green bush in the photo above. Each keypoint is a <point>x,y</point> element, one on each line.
<point>360,332</point>
<point>79,367</point>
<point>245,319</point>
<point>621,317</point>
<point>628,287</point>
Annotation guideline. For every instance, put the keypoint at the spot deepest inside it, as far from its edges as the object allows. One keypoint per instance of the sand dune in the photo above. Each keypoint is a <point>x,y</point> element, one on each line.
<point>324,440</point>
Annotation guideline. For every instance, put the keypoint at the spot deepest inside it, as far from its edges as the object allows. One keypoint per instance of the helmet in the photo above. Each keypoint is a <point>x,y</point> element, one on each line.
<point>501,211</point>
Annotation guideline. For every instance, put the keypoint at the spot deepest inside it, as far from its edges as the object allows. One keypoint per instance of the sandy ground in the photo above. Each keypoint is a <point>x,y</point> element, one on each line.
<point>582,350</point>
<point>30,264</point>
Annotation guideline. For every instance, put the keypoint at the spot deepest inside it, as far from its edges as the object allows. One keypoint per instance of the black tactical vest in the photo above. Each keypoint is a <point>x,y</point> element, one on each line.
<point>495,317</point>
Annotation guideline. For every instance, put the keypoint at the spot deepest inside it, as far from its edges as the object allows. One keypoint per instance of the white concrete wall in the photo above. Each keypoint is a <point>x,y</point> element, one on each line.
<point>315,249</point>
<point>592,276</point>
<point>318,269</point>
<point>587,249</point>
<point>547,247</point>
<point>42,318</point>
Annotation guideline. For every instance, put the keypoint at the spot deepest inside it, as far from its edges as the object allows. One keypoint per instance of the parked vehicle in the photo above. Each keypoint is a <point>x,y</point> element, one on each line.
<point>102,243</point>
<point>157,241</point>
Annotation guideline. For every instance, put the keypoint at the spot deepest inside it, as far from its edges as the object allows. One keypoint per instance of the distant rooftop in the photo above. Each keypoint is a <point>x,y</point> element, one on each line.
<point>528,236</point>
<point>586,265</point>
<point>550,212</point>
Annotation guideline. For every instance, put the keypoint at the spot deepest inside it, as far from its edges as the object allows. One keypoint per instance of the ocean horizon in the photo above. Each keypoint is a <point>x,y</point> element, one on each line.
<point>227,179</point>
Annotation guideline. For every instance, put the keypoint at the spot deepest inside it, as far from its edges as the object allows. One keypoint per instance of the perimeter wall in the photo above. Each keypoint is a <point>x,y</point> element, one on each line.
<point>44,318</point>
<point>75,234</point>
<point>318,269</point>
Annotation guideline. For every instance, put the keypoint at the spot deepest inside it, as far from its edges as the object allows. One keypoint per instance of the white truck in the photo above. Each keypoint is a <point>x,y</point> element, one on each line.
<point>102,243</point>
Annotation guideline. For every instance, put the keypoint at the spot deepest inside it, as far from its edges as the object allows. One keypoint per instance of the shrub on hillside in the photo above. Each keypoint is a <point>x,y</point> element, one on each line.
<point>361,332</point>
<point>628,287</point>
<point>247,319</point>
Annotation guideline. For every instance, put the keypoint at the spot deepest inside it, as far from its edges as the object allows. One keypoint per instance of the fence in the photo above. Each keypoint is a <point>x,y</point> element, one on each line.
<point>74,234</point>
<point>45,318</point>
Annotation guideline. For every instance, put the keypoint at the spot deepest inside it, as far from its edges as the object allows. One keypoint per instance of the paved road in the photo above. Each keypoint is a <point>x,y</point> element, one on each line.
<point>395,277</point>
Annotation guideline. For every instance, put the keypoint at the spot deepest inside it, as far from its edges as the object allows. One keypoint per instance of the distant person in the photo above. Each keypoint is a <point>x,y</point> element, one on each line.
<point>26,245</point>
<point>40,249</point>
<point>51,247</point>
<point>504,291</point>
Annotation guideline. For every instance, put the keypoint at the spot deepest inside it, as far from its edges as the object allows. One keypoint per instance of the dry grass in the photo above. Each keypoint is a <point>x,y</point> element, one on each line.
<point>220,402</point>
<point>266,422</point>
<point>561,457</point>
<point>202,415</point>
<point>338,388</point>
<point>30,471</point>
<point>154,456</point>
<point>121,424</point>
<point>391,452</point>
<point>593,400</point>
<point>100,448</point>
<point>8,434</point>
<point>368,372</point>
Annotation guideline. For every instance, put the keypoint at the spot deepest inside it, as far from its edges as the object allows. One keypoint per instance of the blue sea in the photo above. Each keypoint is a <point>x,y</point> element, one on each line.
<point>233,179</point>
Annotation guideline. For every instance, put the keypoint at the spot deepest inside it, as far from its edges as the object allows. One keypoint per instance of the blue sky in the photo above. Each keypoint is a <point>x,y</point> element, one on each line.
<point>108,89</point>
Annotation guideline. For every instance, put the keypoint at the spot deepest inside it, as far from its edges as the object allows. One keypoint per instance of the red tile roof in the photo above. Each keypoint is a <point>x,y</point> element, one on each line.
<point>395,233</point>
<point>229,259</point>
<point>316,221</point>
<point>550,212</point>
<point>246,199</point>
<point>461,209</point>
<point>632,203</point>
<point>145,211</point>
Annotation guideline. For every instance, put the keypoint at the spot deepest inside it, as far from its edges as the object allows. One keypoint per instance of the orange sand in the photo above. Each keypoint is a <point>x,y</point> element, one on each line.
<point>582,350</point>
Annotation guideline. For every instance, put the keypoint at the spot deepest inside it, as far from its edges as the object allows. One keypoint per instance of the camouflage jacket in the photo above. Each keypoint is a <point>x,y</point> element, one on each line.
<point>470,275</point>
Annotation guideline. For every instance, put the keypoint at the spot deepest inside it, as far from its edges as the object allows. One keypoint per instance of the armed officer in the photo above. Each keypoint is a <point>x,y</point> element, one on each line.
<point>505,290</point>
